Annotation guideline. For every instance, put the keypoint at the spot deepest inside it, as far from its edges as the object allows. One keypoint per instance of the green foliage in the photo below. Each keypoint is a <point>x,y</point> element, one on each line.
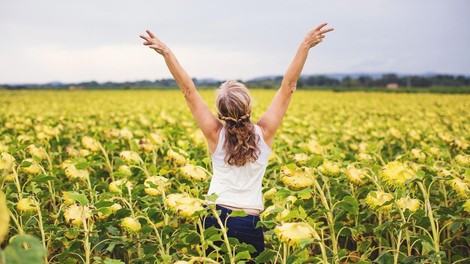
<point>23,249</point>
<point>383,178</point>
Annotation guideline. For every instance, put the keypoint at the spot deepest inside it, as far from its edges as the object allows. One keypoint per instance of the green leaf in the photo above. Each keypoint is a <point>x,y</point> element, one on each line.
<point>383,227</point>
<point>268,224</point>
<point>292,166</point>
<point>305,194</point>
<point>82,165</point>
<point>192,238</point>
<point>24,249</point>
<point>25,163</point>
<point>102,204</point>
<point>302,212</point>
<point>385,258</point>
<point>467,173</point>
<point>238,213</point>
<point>163,171</point>
<point>315,161</point>
<point>455,226</point>
<point>41,178</point>
<point>266,256</point>
<point>212,197</point>
<point>242,255</point>
<point>342,252</point>
<point>166,258</point>
<point>350,205</point>
<point>81,198</point>
<point>206,161</point>
<point>306,241</point>
<point>113,230</point>
<point>426,242</point>
<point>113,261</point>
<point>149,250</point>
<point>363,246</point>
<point>211,231</point>
<point>292,214</point>
<point>283,193</point>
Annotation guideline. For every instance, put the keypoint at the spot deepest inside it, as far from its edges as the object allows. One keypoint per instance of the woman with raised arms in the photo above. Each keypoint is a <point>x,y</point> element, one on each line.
<point>239,148</point>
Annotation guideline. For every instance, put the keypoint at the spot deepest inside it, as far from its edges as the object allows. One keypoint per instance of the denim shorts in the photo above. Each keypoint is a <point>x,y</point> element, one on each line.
<point>242,228</point>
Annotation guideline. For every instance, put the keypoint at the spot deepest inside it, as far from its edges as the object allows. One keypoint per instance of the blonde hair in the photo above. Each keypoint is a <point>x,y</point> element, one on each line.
<point>234,107</point>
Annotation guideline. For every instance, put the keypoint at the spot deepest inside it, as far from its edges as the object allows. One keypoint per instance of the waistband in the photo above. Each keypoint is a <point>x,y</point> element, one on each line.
<point>226,211</point>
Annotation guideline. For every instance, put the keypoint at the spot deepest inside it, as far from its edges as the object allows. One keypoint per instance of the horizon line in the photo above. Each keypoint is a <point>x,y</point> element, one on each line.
<point>338,75</point>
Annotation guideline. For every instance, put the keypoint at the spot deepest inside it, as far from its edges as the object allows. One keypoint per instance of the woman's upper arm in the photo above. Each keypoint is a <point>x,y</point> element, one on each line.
<point>272,118</point>
<point>205,119</point>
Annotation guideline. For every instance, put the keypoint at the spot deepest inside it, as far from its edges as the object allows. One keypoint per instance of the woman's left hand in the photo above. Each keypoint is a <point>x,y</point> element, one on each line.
<point>316,35</point>
<point>152,42</point>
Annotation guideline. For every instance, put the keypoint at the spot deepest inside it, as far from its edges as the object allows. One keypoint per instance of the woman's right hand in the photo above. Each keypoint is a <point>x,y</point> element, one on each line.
<point>316,35</point>
<point>152,42</point>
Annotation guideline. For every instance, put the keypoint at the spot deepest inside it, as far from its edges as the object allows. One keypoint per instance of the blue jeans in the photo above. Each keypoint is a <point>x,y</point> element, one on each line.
<point>242,228</point>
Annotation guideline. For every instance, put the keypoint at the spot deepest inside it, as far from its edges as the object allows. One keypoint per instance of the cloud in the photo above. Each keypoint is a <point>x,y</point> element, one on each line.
<point>98,40</point>
<point>104,63</point>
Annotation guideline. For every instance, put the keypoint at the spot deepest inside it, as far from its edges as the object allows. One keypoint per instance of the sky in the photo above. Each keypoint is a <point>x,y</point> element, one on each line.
<point>89,40</point>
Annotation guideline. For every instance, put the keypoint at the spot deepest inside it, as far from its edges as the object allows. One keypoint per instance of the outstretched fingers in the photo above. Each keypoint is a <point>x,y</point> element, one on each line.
<point>145,38</point>
<point>150,33</point>
<point>319,27</point>
<point>148,38</point>
<point>326,30</point>
<point>317,34</point>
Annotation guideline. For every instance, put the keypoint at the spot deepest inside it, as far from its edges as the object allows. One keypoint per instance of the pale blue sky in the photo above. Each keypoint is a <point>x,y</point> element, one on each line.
<point>73,41</point>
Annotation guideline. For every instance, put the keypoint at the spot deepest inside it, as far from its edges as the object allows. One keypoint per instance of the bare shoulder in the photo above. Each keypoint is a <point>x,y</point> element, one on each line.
<point>268,139</point>
<point>214,139</point>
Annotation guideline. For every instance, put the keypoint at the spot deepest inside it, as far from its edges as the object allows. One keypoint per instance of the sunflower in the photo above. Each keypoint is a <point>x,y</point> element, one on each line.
<point>192,172</point>
<point>131,225</point>
<point>376,199</point>
<point>293,233</point>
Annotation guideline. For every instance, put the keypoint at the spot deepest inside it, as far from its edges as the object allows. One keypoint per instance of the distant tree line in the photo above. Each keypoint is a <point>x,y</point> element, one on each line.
<point>367,81</point>
<point>305,82</point>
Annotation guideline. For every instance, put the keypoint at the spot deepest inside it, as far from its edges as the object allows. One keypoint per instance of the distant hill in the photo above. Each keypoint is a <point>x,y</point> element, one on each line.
<point>358,79</point>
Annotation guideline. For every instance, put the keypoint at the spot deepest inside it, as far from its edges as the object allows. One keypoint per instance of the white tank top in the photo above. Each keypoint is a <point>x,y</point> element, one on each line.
<point>239,186</point>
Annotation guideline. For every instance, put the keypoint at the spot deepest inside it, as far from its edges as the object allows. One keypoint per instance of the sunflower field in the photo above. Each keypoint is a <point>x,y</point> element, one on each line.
<point>113,177</point>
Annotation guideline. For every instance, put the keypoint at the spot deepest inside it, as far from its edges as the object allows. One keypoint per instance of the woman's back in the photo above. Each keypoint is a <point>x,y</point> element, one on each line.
<point>239,186</point>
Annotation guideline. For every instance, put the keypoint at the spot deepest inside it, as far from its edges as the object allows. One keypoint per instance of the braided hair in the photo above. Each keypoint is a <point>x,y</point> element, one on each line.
<point>234,106</point>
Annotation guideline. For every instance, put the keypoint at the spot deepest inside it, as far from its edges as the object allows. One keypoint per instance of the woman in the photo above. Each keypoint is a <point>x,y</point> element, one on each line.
<point>239,149</point>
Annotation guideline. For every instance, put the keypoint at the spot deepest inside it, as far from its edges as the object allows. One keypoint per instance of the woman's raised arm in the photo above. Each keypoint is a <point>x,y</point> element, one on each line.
<point>272,118</point>
<point>206,120</point>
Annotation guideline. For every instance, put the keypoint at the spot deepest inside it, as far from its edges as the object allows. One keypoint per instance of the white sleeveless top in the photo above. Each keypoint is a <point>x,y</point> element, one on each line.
<point>239,186</point>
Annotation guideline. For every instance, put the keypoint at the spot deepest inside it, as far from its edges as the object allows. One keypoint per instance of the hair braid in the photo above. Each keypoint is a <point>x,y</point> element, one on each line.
<point>241,141</point>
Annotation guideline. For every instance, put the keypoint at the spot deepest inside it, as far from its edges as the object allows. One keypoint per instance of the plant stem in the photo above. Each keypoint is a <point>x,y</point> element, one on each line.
<point>108,163</point>
<point>18,225</point>
<point>224,233</point>
<point>41,228</point>
<point>203,240</point>
<point>380,238</point>
<point>322,247</point>
<point>330,219</point>
<point>159,238</point>
<point>17,184</point>
<point>142,169</point>
<point>435,233</point>
<point>396,253</point>
<point>86,244</point>
<point>52,191</point>
<point>284,253</point>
